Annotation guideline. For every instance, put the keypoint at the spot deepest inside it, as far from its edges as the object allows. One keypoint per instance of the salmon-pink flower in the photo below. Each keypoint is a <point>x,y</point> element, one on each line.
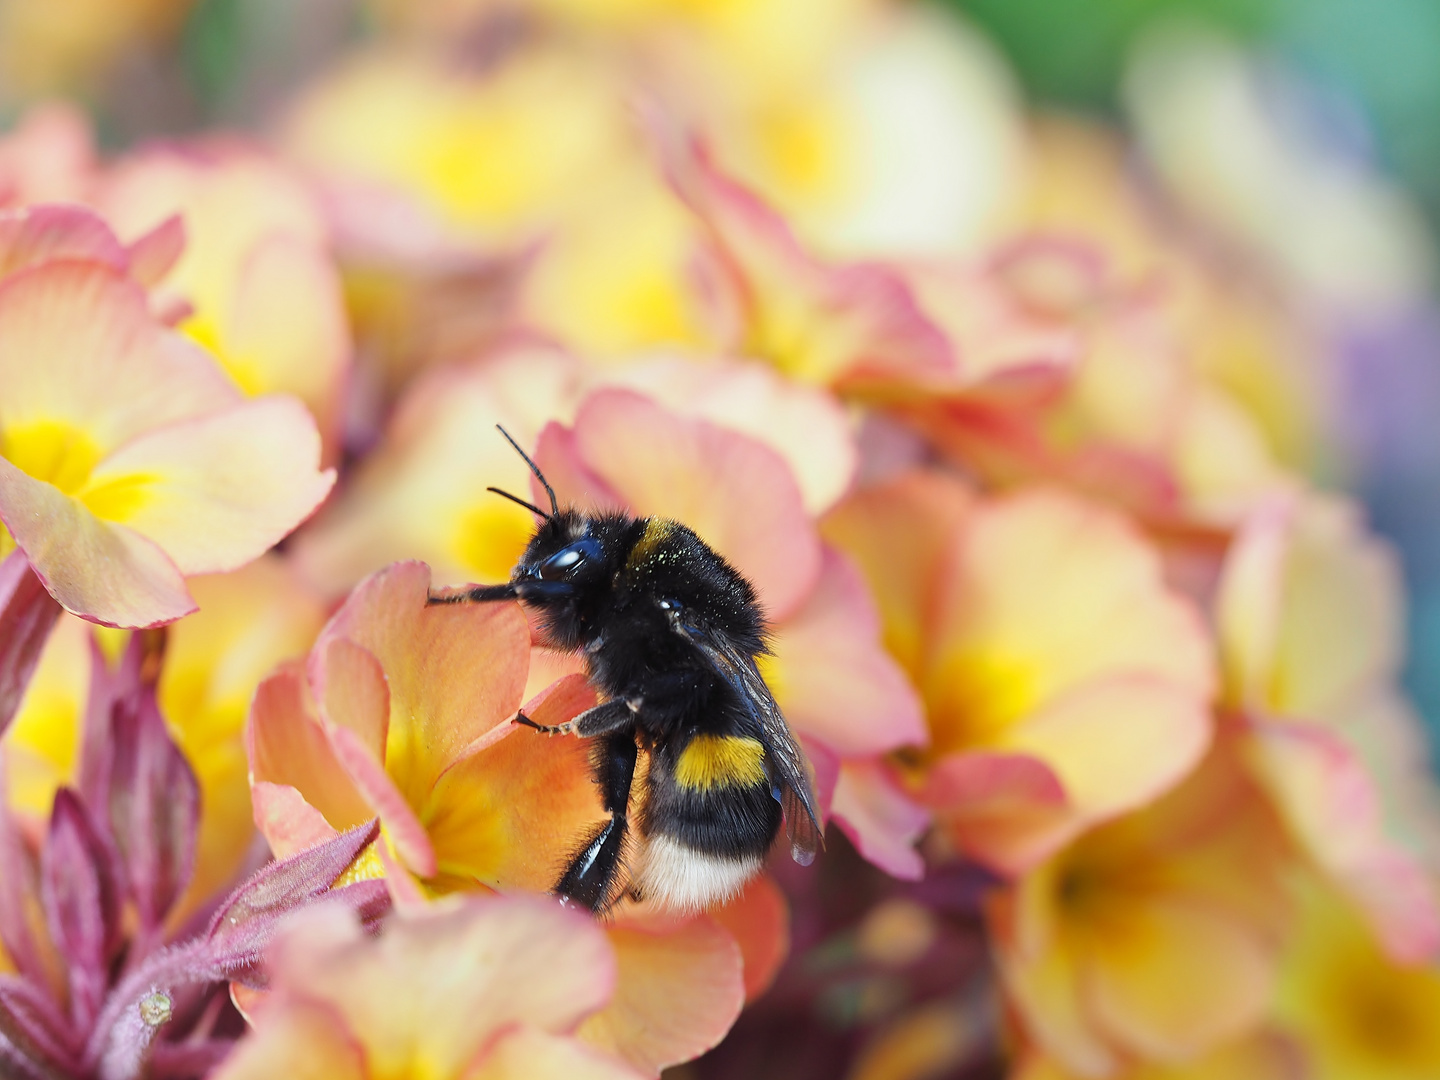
<point>1154,937</point>
<point>403,711</point>
<point>261,290</point>
<point>1063,682</point>
<point>47,157</point>
<point>128,460</point>
<point>1309,623</point>
<point>491,989</point>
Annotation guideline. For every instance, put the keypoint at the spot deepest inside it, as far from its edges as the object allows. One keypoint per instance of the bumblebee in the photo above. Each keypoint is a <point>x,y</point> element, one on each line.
<point>670,634</point>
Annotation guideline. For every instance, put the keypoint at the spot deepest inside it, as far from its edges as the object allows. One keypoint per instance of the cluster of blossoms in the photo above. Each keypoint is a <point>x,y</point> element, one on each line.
<point>1098,685</point>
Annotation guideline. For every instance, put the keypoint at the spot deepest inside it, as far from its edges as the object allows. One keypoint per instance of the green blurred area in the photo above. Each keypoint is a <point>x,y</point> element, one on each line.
<point>1383,54</point>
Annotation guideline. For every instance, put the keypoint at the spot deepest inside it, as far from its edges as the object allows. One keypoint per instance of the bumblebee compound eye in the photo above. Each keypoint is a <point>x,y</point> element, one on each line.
<point>567,560</point>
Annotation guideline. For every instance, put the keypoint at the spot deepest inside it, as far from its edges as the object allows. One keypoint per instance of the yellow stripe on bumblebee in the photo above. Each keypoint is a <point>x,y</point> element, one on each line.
<point>717,761</point>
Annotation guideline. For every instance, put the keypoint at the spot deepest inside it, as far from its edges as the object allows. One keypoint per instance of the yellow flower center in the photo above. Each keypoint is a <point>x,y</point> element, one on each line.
<point>54,451</point>
<point>974,698</point>
<point>491,536</point>
<point>61,454</point>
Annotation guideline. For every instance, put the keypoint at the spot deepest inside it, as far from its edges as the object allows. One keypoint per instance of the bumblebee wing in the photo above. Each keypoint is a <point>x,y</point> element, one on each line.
<point>789,769</point>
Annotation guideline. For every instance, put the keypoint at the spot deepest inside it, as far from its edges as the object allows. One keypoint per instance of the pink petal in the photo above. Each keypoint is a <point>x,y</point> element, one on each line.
<point>679,990</point>
<point>287,747</point>
<point>737,494</point>
<point>1330,803</point>
<point>110,369</point>
<point>101,572</point>
<point>353,693</point>
<point>402,827</point>
<point>1002,809</point>
<point>155,253</point>
<point>807,426</point>
<point>40,234</point>
<point>882,822</point>
<point>300,1041</point>
<point>454,670</point>
<point>27,614</point>
<point>217,491</point>
<point>289,824</point>
<point>530,1054</point>
<point>833,678</point>
<point>575,484</point>
<point>817,323</point>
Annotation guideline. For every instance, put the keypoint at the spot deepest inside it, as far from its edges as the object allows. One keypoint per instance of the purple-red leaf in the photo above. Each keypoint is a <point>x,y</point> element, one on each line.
<point>246,922</point>
<point>154,802</point>
<point>21,919</point>
<point>27,612</point>
<point>34,1025</point>
<point>81,896</point>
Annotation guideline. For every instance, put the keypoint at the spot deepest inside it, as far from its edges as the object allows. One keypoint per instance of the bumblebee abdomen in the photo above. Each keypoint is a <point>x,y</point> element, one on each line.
<point>708,821</point>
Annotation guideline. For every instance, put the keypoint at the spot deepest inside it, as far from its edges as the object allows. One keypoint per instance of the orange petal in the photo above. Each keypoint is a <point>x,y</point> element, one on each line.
<point>512,814</point>
<point>1176,978</point>
<point>216,491</point>
<point>1114,744</point>
<point>101,572</point>
<point>530,1054</point>
<point>287,747</point>
<point>1047,990</point>
<point>900,534</point>
<point>880,819</point>
<point>402,826</point>
<point>454,671</point>
<point>759,920</point>
<point>301,1040</point>
<point>288,823</point>
<point>737,494</point>
<point>469,972</point>
<point>353,693</point>
<point>833,678</point>
<point>679,990</point>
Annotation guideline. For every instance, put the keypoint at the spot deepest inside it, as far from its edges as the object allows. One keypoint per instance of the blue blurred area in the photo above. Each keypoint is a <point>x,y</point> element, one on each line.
<point>1382,57</point>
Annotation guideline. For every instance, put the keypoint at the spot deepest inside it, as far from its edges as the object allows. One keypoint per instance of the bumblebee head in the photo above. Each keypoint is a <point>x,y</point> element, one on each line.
<point>562,559</point>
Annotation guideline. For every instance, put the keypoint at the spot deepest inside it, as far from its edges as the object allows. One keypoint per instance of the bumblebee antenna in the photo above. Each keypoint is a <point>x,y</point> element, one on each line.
<point>516,499</point>
<point>554,507</point>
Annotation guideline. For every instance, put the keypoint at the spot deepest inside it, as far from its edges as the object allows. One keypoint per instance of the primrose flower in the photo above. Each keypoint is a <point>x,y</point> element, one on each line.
<point>492,988</point>
<point>1153,937</point>
<point>404,712</point>
<point>1063,682</point>
<point>128,460</point>
<point>262,292</point>
<point>1309,621</point>
<point>1354,1011</point>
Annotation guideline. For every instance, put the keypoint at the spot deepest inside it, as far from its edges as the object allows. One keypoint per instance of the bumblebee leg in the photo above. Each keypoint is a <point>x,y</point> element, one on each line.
<point>604,719</point>
<point>473,595</point>
<point>590,877</point>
